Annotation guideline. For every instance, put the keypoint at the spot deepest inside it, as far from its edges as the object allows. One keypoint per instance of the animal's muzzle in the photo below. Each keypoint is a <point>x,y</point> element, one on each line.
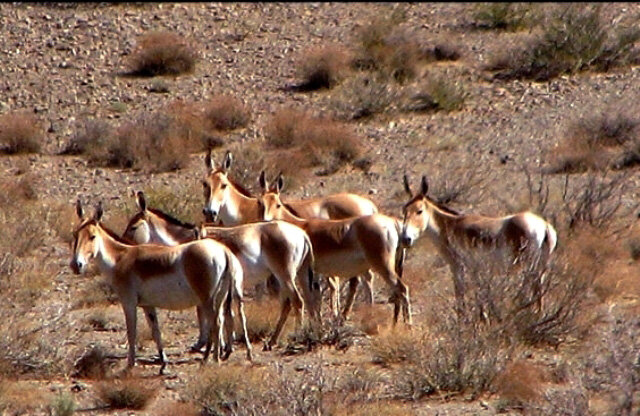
<point>406,241</point>
<point>76,267</point>
<point>210,215</point>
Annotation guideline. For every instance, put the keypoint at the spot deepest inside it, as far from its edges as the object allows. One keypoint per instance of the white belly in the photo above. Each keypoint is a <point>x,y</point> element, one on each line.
<point>167,292</point>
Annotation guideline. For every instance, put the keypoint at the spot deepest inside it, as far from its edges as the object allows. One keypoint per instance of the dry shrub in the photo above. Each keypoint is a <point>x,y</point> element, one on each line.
<point>384,47</point>
<point>441,51</point>
<point>129,393</point>
<point>183,203</point>
<point>438,94</point>
<point>503,16</point>
<point>22,398</point>
<point>364,96</point>
<point>25,350</point>
<point>377,408</point>
<point>261,319</point>
<point>608,139</point>
<point>322,67</point>
<point>520,384</point>
<point>155,143</point>
<point>89,137</point>
<point>574,38</point>
<point>20,132</point>
<point>162,53</point>
<point>98,292</point>
<point>397,346</point>
<point>189,119</point>
<point>92,364</point>
<point>319,142</point>
<point>225,112</point>
<point>63,405</point>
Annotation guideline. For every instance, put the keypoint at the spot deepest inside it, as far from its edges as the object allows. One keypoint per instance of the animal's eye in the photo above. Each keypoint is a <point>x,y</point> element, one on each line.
<point>91,238</point>
<point>223,186</point>
<point>419,212</point>
<point>134,228</point>
<point>278,206</point>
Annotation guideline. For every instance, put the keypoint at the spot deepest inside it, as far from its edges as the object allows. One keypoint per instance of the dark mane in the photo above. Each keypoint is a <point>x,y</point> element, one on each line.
<point>444,208</point>
<point>116,236</point>
<point>170,219</point>
<point>290,208</point>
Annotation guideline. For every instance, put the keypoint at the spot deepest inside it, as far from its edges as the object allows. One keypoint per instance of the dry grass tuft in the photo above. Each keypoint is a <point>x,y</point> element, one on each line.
<point>261,319</point>
<point>438,94</point>
<point>363,96</point>
<point>397,346</point>
<point>162,53</point>
<point>92,364</point>
<point>574,38</point>
<point>608,139</point>
<point>322,67</point>
<point>20,132</point>
<point>225,112</point>
<point>316,141</point>
<point>129,393</point>
<point>503,16</point>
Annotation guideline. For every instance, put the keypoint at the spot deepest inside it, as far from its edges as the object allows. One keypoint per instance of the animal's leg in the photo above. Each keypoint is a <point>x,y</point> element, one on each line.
<point>203,324</point>
<point>367,281</point>
<point>130,320</point>
<point>243,320</point>
<point>351,294</point>
<point>212,309</point>
<point>284,313</point>
<point>228,338</point>
<point>152,320</point>
<point>334,294</point>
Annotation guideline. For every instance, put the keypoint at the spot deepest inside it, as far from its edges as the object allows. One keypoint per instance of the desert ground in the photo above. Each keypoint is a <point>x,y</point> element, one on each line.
<point>503,108</point>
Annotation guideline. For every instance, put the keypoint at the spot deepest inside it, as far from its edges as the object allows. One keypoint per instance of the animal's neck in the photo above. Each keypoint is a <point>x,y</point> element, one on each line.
<point>110,252</point>
<point>290,217</point>
<point>440,225</point>
<point>239,209</point>
<point>172,234</point>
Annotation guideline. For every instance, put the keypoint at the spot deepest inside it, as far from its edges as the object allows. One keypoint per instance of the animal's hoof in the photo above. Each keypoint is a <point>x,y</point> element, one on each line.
<point>196,348</point>
<point>266,347</point>
<point>225,355</point>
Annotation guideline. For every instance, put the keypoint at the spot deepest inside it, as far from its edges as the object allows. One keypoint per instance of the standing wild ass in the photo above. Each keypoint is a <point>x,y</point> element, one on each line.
<point>519,232</point>
<point>202,272</point>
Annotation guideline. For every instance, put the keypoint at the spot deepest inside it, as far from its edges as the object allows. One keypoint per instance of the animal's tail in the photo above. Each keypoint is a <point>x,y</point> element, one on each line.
<point>312,286</point>
<point>551,239</point>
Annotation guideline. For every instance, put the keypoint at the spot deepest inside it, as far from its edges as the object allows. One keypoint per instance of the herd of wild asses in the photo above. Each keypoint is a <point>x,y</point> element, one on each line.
<point>161,262</point>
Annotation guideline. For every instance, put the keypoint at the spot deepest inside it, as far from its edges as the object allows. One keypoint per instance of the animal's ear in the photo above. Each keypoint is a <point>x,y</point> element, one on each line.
<point>208,161</point>
<point>263,181</point>
<point>407,187</point>
<point>97,215</point>
<point>228,160</point>
<point>424,186</point>
<point>79,209</point>
<point>140,201</point>
<point>279,183</point>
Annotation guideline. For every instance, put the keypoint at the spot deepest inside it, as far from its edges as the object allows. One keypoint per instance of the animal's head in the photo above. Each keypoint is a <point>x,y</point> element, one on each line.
<point>216,186</point>
<point>269,200</point>
<point>416,212</point>
<point>86,239</point>
<point>138,229</point>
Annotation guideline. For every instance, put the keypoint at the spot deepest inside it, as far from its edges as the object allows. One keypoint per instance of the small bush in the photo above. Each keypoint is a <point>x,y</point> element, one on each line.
<point>154,143</point>
<point>396,347</point>
<point>162,53</point>
<point>261,319</point>
<point>322,67</point>
<point>439,94</point>
<point>520,384</point>
<point>20,132</point>
<point>506,16</point>
<point>318,141</point>
<point>92,364</point>
<point>89,137</point>
<point>574,39</point>
<point>130,393</point>
<point>224,112</point>
<point>364,96</point>
<point>63,405</point>
<point>607,139</point>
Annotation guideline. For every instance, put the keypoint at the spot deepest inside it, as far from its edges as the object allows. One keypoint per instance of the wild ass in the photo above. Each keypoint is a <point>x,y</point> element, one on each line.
<point>263,249</point>
<point>202,272</point>
<point>444,226</point>
<point>350,247</point>
<point>229,202</point>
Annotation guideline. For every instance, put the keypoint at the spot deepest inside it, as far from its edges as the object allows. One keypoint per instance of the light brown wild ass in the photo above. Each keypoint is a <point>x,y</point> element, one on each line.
<point>263,249</point>
<point>227,201</point>
<point>451,231</point>
<point>350,247</point>
<point>202,272</point>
